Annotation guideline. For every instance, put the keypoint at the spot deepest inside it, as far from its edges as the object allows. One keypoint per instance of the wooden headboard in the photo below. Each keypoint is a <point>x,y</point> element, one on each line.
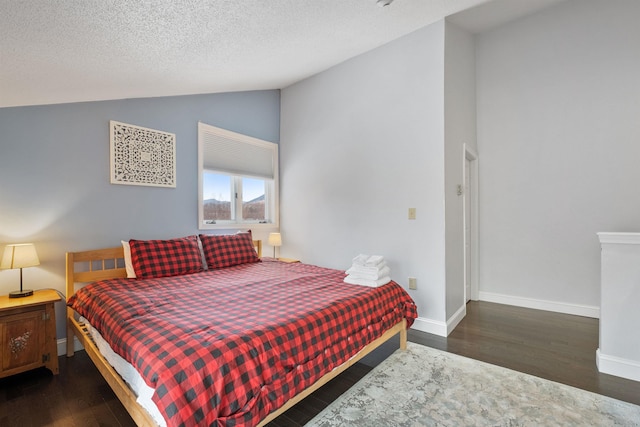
<point>102,264</point>
<point>257,244</point>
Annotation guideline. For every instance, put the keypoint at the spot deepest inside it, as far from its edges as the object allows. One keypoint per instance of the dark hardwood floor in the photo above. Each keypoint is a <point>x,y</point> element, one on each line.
<point>558,347</point>
<point>77,397</point>
<point>554,346</point>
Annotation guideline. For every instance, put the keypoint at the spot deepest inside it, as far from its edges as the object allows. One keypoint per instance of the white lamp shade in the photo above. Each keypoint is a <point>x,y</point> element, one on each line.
<point>275,239</point>
<point>19,256</point>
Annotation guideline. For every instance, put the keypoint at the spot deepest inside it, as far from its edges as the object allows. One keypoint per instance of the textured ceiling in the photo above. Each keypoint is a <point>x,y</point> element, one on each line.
<point>85,50</point>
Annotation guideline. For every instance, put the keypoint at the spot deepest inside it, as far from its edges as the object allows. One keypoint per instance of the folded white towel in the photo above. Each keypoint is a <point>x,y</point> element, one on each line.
<point>361,259</point>
<point>374,261</point>
<point>363,269</point>
<point>371,273</point>
<point>364,282</point>
<point>368,260</point>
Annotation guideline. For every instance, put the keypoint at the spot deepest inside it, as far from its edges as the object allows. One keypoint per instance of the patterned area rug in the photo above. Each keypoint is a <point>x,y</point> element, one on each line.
<point>427,387</point>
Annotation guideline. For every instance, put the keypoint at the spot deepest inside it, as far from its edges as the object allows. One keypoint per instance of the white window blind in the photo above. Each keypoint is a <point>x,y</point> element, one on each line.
<point>237,154</point>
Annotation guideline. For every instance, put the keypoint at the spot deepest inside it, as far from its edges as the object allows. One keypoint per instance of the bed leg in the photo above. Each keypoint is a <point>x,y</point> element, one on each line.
<point>70,337</point>
<point>70,351</point>
<point>403,335</point>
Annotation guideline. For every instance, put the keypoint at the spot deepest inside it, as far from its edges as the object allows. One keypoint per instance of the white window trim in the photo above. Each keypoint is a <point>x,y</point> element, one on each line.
<point>202,127</point>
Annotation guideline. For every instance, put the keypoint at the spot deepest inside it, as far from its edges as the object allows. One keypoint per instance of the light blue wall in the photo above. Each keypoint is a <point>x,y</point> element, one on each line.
<point>54,175</point>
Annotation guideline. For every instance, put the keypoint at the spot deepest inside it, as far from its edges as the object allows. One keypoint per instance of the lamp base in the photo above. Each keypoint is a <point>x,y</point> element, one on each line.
<point>21,293</point>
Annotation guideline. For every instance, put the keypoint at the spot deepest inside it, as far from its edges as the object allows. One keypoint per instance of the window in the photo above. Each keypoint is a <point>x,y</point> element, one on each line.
<point>235,198</point>
<point>238,179</point>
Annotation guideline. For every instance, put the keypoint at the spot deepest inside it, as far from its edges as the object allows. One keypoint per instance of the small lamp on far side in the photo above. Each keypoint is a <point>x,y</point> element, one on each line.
<point>19,256</point>
<point>275,239</point>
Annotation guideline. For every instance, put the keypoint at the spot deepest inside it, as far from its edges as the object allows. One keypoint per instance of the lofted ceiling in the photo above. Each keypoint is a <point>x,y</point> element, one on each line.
<point>86,50</point>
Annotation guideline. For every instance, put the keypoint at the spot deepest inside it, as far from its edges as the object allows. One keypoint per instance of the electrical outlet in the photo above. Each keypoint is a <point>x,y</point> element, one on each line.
<point>412,213</point>
<point>412,283</point>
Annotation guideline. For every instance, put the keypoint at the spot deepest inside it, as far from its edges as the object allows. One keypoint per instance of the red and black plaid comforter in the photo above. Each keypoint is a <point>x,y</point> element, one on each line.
<point>227,347</point>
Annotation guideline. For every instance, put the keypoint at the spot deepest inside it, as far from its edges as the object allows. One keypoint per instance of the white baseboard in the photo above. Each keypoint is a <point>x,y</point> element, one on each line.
<point>618,366</point>
<point>558,307</point>
<point>430,326</point>
<point>62,346</point>
<point>456,318</point>
<point>436,327</point>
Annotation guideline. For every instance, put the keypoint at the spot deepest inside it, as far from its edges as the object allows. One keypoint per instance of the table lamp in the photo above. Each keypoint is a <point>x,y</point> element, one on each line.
<point>275,239</point>
<point>19,256</point>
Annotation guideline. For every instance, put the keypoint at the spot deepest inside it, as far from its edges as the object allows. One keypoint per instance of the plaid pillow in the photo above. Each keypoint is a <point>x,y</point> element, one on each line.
<point>160,258</point>
<point>228,249</point>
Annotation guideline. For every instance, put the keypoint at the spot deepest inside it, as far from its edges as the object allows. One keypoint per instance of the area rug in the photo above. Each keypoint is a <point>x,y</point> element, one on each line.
<point>423,386</point>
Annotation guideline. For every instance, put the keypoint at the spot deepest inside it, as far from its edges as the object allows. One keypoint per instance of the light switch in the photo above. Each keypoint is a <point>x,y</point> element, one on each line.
<point>412,213</point>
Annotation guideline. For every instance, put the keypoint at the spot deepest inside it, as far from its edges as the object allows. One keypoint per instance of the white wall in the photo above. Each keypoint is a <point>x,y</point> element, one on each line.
<point>361,143</point>
<point>559,140</point>
<point>619,349</point>
<point>460,128</point>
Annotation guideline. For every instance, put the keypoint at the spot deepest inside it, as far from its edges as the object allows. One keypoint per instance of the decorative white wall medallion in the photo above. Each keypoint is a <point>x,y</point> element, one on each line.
<point>141,156</point>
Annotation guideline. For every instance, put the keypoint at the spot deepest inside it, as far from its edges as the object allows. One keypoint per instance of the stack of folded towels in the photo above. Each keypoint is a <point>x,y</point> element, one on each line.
<point>368,270</point>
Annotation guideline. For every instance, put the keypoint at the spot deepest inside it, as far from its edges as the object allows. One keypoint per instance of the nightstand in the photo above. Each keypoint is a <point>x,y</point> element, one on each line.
<point>289,260</point>
<point>28,333</point>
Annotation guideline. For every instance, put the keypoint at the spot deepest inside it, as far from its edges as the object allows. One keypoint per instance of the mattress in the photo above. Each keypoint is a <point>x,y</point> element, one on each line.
<point>128,373</point>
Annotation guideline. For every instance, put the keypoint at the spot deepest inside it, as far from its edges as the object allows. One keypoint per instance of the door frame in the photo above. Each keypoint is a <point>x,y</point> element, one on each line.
<point>470,155</point>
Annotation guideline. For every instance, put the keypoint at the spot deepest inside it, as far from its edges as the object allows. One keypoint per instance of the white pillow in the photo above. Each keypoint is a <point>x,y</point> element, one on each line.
<point>128,265</point>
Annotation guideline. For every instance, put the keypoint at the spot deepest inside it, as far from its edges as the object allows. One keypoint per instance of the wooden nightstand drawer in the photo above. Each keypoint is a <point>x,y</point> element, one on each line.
<point>22,341</point>
<point>28,333</point>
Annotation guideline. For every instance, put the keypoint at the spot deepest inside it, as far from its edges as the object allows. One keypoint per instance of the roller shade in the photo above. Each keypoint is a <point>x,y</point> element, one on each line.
<point>237,154</point>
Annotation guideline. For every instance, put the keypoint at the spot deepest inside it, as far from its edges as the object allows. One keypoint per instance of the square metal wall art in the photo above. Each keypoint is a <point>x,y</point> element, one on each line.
<point>141,156</point>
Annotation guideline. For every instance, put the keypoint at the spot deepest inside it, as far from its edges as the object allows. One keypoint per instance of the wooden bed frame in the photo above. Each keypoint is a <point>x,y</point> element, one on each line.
<point>102,264</point>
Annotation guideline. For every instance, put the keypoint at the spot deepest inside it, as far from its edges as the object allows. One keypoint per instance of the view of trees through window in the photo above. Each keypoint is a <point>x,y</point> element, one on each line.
<point>253,208</point>
<point>218,190</point>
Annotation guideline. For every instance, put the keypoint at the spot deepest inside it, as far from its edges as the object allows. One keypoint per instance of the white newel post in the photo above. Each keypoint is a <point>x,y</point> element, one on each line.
<point>619,351</point>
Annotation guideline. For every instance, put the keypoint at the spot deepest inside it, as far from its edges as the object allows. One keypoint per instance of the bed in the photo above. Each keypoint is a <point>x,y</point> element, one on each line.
<point>232,345</point>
